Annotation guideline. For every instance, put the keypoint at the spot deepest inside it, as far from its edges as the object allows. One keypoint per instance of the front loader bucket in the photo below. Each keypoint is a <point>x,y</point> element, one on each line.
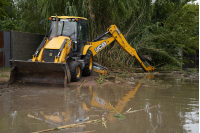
<point>39,72</point>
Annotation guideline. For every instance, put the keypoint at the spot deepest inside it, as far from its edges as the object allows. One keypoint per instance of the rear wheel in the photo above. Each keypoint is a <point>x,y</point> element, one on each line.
<point>88,59</point>
<point>75,70</point>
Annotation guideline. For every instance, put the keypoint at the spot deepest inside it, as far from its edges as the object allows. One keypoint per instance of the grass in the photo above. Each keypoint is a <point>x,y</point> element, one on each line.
<point>4,74</point>
<point>6,69</point>
<point>101,79</point>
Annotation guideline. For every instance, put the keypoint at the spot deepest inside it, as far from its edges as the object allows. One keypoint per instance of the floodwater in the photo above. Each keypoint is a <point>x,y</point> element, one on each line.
<point>159,103</point>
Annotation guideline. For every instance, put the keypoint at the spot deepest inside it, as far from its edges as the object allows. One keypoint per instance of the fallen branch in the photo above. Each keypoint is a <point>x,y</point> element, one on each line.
<point>114,109</point>
<point>103,121</point>
<point>31,116</point>
<point>129,110</point>
<point>82,84</point>
<point>120,115</point>
<point>66,126</point>
<point>85,132</point>
<point>78,87</point>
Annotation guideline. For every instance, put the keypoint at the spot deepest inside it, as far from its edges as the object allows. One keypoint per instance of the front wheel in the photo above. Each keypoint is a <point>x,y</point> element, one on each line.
<point>75,70</point>
<point>88,59</point>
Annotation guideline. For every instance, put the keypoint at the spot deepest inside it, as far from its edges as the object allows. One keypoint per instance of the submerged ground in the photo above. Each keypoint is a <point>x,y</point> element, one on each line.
<point>121,102</point>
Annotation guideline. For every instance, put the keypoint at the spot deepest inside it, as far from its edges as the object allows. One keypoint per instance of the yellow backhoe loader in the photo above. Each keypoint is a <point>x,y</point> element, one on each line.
<point>65,54</point>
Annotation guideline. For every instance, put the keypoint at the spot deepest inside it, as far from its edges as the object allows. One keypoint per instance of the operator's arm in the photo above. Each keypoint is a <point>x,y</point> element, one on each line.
<point>97,45</point>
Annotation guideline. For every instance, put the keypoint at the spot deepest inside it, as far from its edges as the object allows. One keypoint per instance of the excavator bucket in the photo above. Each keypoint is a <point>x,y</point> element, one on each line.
<point>39,72</point>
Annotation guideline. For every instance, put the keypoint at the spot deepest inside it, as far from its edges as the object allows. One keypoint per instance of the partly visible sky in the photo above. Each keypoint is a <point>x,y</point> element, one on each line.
<point>198,1</point>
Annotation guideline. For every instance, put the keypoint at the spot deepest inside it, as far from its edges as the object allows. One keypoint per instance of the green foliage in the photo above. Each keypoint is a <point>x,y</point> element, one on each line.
<point>29,16</point>
<point>4,72</point>
<point>163,41</point>
<point>162,10</point>
<point>8,15</point>
<point>101,79</point>
<point>185,25</point>
<point>159,30</point>
<point>179,33</point>
<point>9,24</point>
<point>3,13</point>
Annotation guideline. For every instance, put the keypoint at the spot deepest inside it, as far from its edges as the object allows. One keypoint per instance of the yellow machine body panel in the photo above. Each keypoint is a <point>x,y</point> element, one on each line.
<point>104,72</point>
<point>120,39</point>
<point>85,49</point>
<point>98,46</point>
<point>40,56</point>
<point>69,17</point>
<point>64,53</point>
<point>56,42</point>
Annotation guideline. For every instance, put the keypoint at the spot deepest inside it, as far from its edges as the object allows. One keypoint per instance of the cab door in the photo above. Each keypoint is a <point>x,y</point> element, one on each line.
<point>82,33</point>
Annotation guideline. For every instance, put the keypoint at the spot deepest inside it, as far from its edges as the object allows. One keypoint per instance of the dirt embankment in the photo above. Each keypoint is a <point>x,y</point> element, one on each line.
<point>92,80</point>
<point>114,77</point>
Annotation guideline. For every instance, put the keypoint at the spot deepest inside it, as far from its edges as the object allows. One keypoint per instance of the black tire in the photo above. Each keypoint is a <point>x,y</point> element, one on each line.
<point>88,59</point>
<point>75,70</point>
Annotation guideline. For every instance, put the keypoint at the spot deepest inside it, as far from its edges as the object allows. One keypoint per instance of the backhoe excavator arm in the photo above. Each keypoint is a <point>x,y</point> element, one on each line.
<point>98,45</point>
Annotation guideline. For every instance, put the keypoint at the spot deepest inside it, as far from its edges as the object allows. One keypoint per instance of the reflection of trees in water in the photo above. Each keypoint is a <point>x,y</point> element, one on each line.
<point>166,118</point>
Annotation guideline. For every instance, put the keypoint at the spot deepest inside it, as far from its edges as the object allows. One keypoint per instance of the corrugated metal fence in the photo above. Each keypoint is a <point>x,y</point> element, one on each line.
<point>5,46</point>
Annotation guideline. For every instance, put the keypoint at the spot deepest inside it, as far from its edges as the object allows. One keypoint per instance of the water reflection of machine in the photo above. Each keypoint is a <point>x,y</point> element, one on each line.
<point>100,103</point>
<point>84,102</point>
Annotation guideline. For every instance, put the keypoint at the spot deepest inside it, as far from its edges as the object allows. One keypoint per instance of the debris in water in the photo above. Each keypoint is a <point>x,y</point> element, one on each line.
<point>86,131</point>
<point>129,110</point>
<point>118,116</point>
<point>82,84</point>
<point>93,115</point>
<point>86,119</point>
<point>78,87</point>
<point>116,82</point>
<point>131,83</point>
<point>103,121</point>
<point>67,126</point>
<point>31,116</point>
<point>82,119</point>
<point>79,120</point>
<point>24,96</point>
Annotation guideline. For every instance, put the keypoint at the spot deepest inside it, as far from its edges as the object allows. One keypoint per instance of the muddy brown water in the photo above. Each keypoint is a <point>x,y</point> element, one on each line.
<point>159,103</point>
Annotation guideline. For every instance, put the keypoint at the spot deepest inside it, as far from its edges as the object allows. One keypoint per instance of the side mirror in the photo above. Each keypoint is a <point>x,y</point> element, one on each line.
<point>41,22</point>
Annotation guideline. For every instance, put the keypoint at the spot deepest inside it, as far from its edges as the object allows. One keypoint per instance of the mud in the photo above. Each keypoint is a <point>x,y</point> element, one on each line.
<point>154,102</point>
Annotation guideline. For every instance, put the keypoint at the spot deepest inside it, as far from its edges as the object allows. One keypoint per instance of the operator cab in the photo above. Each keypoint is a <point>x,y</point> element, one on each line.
<point>73,27</point>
